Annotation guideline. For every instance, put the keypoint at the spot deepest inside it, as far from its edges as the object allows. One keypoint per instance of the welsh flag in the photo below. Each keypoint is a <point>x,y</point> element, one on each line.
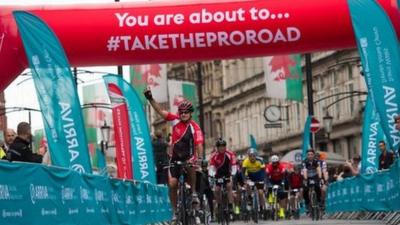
<point>283,77</point>
<point>152,75</point>
<point>181,90</point>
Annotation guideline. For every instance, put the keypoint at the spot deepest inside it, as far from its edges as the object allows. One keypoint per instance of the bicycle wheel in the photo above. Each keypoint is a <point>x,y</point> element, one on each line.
<point>313,203</point>
<point>182,214</point>
<point>255,205</point>
<point>227,215</point>
<point>206,216</point>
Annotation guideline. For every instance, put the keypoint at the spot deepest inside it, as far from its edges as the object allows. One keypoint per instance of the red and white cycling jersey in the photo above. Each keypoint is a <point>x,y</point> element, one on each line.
<point>223,162</point>
<point>275,173</point>
<point>185,136</point>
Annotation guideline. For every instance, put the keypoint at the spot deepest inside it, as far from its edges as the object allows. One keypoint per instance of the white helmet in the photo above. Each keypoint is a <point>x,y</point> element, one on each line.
<point>274,159</point>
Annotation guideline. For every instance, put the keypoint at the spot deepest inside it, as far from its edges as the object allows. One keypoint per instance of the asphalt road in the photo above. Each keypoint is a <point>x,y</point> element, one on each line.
<point>310,222</point>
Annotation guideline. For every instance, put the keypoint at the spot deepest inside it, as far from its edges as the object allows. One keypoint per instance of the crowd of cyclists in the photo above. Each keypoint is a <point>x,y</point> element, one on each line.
<point>234,186</point>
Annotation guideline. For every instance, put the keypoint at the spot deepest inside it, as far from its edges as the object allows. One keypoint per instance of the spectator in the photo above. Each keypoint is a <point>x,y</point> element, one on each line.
<point>3,154</point>
<point>345,172</point>
<point>160,147</point>
<point>20,150</point>
<point>9,135</point>
<point>355,165</point>
<point>386,158</point>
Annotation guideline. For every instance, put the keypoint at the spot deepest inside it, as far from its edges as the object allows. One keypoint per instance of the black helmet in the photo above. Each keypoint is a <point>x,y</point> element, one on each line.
<point>204,163</point>
<point>220,142</point>
<point>185,105</point>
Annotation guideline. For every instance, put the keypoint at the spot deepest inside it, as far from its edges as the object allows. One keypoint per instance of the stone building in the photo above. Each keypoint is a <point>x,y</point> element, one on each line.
<point>234,100</point>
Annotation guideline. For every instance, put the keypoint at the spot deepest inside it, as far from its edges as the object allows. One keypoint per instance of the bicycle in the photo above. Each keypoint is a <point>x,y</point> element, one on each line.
<point>244,207</point>
<point>293,209</point>
<point>186,213</point>
<point>223,209</point>
<point>255,201</point>
<point>274,203</point>
<point>314,204</point>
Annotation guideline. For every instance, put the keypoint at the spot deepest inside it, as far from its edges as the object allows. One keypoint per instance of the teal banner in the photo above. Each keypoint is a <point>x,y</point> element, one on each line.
<point>372,133</point>
<point>380,56</point>
<point>368,192</point>
<point>142,157</point>
<point>253,143</point>
<point>53,195</point>
<point>57,94</point>
<point>306,137</point>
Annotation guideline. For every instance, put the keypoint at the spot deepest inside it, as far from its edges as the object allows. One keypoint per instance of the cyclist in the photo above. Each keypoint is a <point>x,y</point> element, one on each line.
<point>276,174</point>
<point>204,187</point>
<point>223,165</point>
<point>238,183</point>
<point>187,145</point>
<point>324,172</point>
<point>311,171</point>
<point>253,168</point>
<point>295,181</point>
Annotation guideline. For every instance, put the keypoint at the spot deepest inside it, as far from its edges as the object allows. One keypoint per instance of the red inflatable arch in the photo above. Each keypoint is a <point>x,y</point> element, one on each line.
<point>133,33</point>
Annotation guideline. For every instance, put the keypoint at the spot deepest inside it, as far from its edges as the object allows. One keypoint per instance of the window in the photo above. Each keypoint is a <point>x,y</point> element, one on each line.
<point>352,104</point>
<point>337,147</point>
<point>350,71</point>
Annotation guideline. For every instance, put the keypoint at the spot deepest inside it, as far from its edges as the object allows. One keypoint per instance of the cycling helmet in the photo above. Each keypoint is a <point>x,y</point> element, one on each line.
<point>274,159</point>
<point>252,151</point>
<point>240,157</point>
<point>185,105</point>
<point>220,142</point>
<point>204,163</point>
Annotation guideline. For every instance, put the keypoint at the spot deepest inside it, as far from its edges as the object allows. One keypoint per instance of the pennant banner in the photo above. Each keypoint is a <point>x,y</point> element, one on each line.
<point>372,133</point>
<point>283,77</point>
<point>380,56</point>
<point>152,75</point>
<point>306,137</point>
<point>181,90</point>
<point>62,196</point>
<point>142,150</point>
<point>56,92</point>
<point>121,132</point>
<point>253,143</point>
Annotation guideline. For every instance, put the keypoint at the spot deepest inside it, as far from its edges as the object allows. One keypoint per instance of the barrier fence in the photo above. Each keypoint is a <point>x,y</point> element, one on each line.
<point>369,196</point>
<point>37,194</point>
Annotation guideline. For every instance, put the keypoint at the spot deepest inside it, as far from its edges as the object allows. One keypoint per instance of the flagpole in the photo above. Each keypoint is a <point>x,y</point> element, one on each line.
<point>310,99</point>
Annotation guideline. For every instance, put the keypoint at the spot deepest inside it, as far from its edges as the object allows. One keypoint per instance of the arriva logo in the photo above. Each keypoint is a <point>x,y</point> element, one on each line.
<point>143,164</point>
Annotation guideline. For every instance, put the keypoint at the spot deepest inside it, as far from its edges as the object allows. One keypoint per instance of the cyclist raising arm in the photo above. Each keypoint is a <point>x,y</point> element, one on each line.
<point>187,144</point>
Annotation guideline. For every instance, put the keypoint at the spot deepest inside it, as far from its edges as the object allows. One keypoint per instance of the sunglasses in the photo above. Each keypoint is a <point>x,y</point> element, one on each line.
<point>184,112</point>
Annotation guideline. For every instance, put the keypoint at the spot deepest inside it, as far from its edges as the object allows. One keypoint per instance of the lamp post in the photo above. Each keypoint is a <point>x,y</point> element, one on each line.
<point>328,120</point>
<point>105,137</point>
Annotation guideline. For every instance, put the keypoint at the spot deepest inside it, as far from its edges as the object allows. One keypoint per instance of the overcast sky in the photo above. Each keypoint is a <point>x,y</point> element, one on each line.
<point>21,92</point>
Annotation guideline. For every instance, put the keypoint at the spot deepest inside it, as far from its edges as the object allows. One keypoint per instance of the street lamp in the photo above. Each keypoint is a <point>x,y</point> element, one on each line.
<point>328,120</point>
<point>105,136</point>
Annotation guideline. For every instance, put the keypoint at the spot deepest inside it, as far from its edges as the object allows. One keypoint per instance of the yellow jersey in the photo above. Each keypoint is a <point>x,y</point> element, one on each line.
<point>253,167</point>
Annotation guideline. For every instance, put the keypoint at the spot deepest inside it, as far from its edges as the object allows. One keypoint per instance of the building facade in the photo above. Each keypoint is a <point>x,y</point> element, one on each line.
<point>234,100</point>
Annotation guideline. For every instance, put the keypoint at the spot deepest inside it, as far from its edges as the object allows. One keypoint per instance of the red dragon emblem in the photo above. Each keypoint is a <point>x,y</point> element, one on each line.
<point>281,66</point>
<point>148,74</point>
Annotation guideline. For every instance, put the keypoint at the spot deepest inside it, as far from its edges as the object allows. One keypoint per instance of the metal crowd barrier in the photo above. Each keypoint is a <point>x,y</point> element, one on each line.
<point>390,218</point>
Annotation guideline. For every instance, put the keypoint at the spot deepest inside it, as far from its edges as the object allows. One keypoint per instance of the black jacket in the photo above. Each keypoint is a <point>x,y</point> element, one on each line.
<point>20,151</point>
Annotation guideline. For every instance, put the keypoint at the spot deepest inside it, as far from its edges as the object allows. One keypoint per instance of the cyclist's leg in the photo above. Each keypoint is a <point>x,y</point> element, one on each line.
<point>318,192</point>
<point>217,194</point>
<point>306,197</point>
<point>191,172</point>
<point>173,187</point>
<point>230,192</point>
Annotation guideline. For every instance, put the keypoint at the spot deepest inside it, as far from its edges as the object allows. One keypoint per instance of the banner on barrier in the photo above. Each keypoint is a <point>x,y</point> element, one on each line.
<point>369,192</point>
<point>62,196</point>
